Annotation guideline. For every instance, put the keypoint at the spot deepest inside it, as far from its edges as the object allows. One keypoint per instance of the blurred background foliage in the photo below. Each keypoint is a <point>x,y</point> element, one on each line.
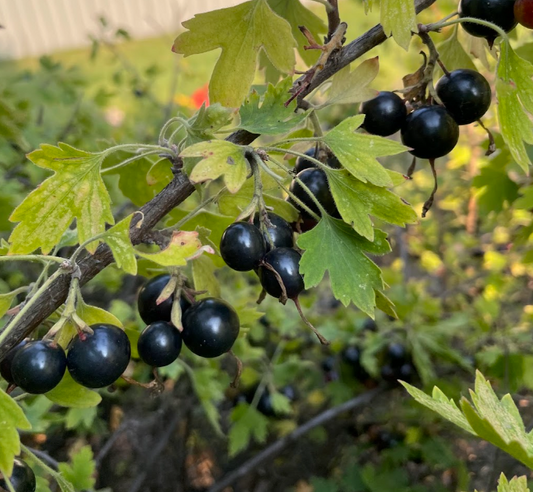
<point>461,281</point>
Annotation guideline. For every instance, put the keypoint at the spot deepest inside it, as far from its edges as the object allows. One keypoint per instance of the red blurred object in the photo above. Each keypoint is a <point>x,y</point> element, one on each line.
<point>201,96</point>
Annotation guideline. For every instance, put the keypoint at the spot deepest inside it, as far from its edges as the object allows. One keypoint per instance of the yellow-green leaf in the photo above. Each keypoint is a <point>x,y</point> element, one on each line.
<point>350,87</point>
<point>183,246</point>
<point>358,152</point>
<point>5,302</point>
<point>11,418</point>
<point>203,274</point>
<point>118,240</point>
<point>517,484</point>
<point>398,17</point>
<point>68,393</point>
<point>453,55</point>
<point>241,32</point>
<point>219,158</point>
<point>75,191</point>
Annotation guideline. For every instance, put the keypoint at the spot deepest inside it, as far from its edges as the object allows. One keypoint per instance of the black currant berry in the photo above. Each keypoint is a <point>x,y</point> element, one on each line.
<point>397,354</point>
<point>430,131</point>
<point>302,163</point>
<point>210,327</point>
<point>286,262</point>
<point>352,356</point>
<point>7,361</point>
<point>98,360</point>
<point>370,325</point>
<point>499,12</point>
<point>317,182</point>
<point>146,302</point>
<point>466,95</point>
<point>22,478</point>
<point>384,115</point>
<point>39,366</point>
<point>159,344</point>
<point>242,246</point>
<point>279,234</point>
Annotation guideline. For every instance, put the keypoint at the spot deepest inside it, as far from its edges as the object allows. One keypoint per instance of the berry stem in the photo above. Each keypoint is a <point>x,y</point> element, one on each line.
<point>166,126</point>
<point>193,213</point>
<point>429,201</point>
<point>42,258</point>
<point>257,199</point>
<point>237,378</point>
<point>128,161</point>
<point>437,26</point>
<point>320,337</point>
<point>492,143</point>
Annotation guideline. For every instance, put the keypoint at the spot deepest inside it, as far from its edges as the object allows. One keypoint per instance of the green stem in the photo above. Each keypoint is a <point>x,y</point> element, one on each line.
<point>173,134</point>
<point>136,147</point>
<point>128,161</point>
<point>43,274</point>
<point>257,198</point>
<point>42,258</point>
<point>195,212</point>
<point>314,160</point>
<point>57,476</point>
<point>164,129</point>
<point>27,307</point>
<point>473,20</point>
<point>264,381</point>
<point>81,247</point>
<point>316,124</point>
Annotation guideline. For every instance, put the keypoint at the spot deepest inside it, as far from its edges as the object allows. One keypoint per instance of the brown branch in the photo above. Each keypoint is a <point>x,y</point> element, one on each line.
<point>277,447</point>
<point>333,18</point>
<point>174,194</point>
<point>357,48</point>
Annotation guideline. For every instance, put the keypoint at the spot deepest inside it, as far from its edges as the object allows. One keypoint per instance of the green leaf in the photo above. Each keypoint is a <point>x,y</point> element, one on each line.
<point>203,274</point>
<point>80,418</point>
<point>240,32</point>
<point>184,246</point>
<point>514,89</point>
<point>11,122</point>
<point>333,246</point>
<point>118,240</point>
<point>204,124</point>
<point>11,418</point>
<point>453,55</point>
<point>297,15</point>
<point>248,424</point>
<point>517,484</point>
<point>352,87</point>
<point>68,393</point>
<point>220,157</point>
<point>398,17</point>
<point>358,153</point>
<point>438,402</point>
<point>357,200</point>
<point>75,191</point>
<point>81,470</point>
<point>272,116</point>
<point>64,484</point>
<point>5,302</point>
<point>93,315</point>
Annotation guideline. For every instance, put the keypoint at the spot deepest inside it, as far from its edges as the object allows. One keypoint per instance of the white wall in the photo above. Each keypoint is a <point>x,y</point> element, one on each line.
<point>35,27</point>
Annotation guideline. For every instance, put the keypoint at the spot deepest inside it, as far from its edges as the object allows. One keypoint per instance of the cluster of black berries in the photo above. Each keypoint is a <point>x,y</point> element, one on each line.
<point>210,326</point>
<point>22,479</point>
<point>267,247</point>
<point>431,131</point>
<point>396,363</point>
<point>264,403</point>
<point>94,360</point>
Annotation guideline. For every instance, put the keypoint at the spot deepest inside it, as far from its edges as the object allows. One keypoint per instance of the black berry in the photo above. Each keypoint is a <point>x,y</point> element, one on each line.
<point>384,115</point>
<point>466,95</point>
<point>210,327</point>
<point>159,344</point>
<point>149,310</point>
<point>499,12</point>
<point>370,325</point>
<point>352,356</point>
<point>39,366</point>
<point>7,361</point>
<point>242,246</point>
<point>286,262</point>
<point>279,234</point>
<point>430,131</point>
<point>397,354</point>
<point>98,360</point>
<point>317,182</point>
<point>302,163</point>
<point>22,478</point>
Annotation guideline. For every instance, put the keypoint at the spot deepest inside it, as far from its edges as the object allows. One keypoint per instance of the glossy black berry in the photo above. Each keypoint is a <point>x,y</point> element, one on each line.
<point>39,366</point>
<point>370,325</point>
<point>499,12</point>
<point>317,182</point>
<point>7,361</point>
<point>352,356</point>
<point>278,234</point>
<point>98,360</point>
<point>466,94</point>
<point>302,163</point>
<point>384,115</point>
<point>242,246</point>
<point>159,344</point>
<point>397,354</point>
<point>210,327</point>
<point>22,478</point>
<point>430,131</point>
<point>149,310</point>
<point>286,262</point>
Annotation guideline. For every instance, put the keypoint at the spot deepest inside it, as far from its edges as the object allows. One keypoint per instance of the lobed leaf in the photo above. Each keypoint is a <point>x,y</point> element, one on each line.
<point>398,17</point>
<point>248,424</point>
<point>241,32</point>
